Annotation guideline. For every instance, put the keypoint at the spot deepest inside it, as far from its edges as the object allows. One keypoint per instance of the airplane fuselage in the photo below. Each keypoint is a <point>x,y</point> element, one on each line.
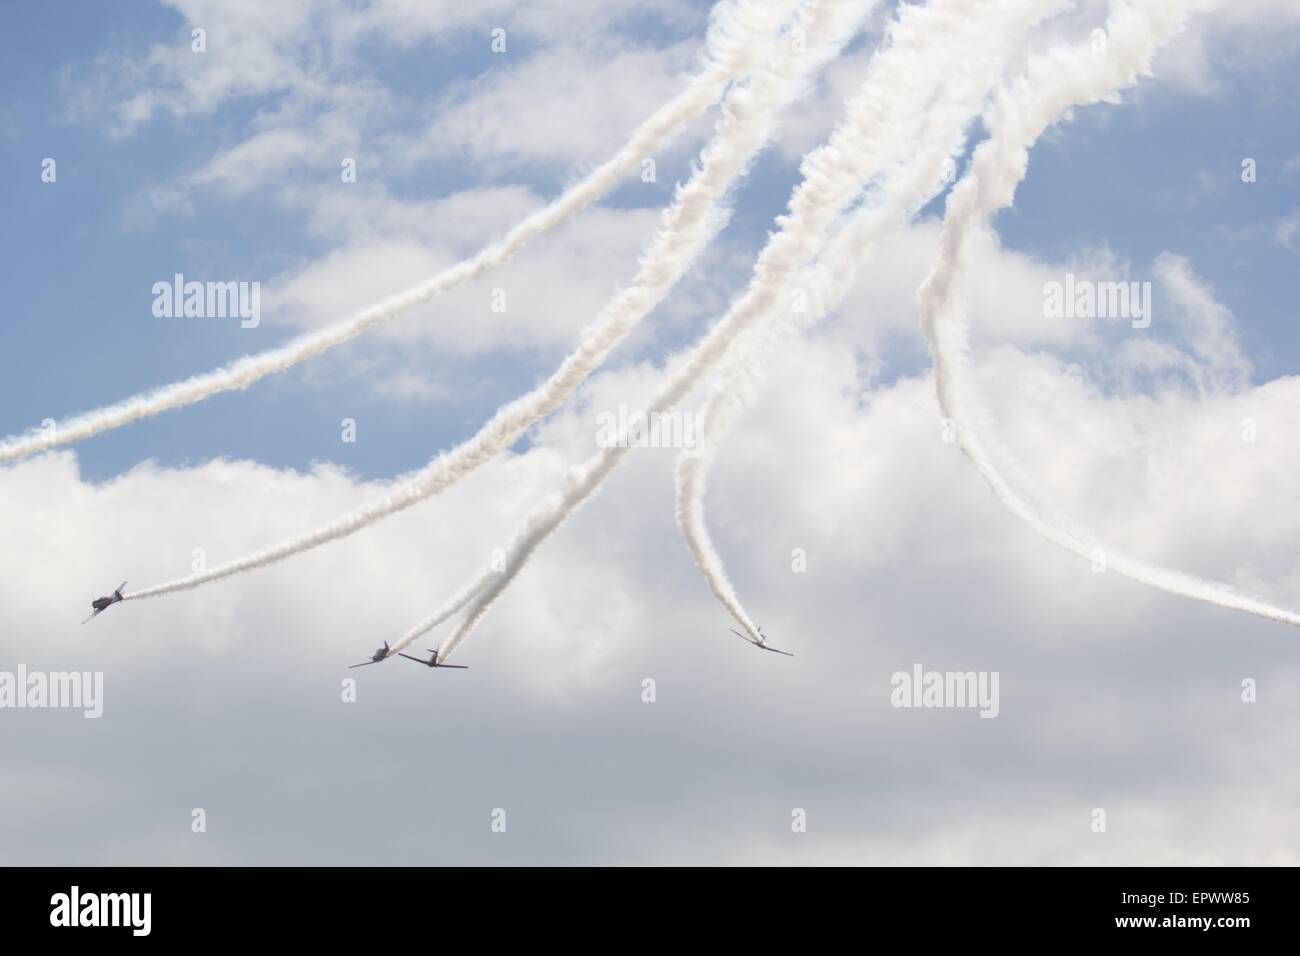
<point>99,605</point>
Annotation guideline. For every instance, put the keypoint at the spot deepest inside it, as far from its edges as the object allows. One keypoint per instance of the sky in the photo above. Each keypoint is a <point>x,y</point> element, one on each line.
<point>225,166</point>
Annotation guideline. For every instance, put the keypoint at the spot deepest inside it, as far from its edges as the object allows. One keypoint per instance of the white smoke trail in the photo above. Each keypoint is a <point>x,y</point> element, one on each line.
<point>934,155</point>
<point>691,478</point>
<point>692,220</point>
<point>732,51</point>
<point>453,606</point>
<point>833,175</point>
<point>1051,85</point>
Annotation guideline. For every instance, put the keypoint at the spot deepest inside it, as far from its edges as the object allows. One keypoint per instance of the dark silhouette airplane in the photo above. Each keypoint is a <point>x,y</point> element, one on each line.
<point>760,643</point>
<point>433,660</point>
<point>100,605</point>
<point>378,656</point>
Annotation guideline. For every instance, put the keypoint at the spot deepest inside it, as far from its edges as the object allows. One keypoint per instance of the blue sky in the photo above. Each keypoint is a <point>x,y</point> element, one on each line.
<point>1165,174</point>
<point>227,168</point>
<point>1161,175</point>
<point>89,264</point>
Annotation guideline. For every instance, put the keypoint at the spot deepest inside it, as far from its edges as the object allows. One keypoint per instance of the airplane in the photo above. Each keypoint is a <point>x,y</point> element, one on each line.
<point>433,661</point>
<point>761,643</point>
<point>100,605</point>
<point>378,656</point>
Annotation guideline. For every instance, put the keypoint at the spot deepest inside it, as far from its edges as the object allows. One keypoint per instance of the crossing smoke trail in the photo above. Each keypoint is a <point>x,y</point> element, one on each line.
<point>735,31</point>
<point>1051,85</point>
<point>692,221</point>
<point>816,22</point>
<point>936,148</point>
<point>833,175</point>
<point>451,608</point>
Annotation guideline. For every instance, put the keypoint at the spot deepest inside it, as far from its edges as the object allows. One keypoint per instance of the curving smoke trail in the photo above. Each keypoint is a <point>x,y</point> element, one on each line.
<point>830,26</point>
<point>748,120</point>
<point>864,141</point>
<point>933,154</point>
<point>1052,85</point>
<point>734,44</point>
<point>717,415</point>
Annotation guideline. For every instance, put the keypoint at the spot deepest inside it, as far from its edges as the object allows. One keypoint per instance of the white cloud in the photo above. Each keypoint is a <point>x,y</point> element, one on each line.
<point>408,385</point>
<point>1231,38</point>
<point>811,125</point>
<point>1284,231</point>
<point>1223,38</point>
<point>252,49</point>
<point>265,156</point>
<point>572,83</point>
<point>547,20</point>
<point>546,301</point>
<point>1112,696</point>
<point>560,105</point>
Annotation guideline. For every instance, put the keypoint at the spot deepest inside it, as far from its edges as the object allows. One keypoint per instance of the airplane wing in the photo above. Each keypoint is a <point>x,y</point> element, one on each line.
<point>93,614</point>
<point>761,647</point>
<point>362,664</point>
<point>410,658</point>
<point>459,667</point>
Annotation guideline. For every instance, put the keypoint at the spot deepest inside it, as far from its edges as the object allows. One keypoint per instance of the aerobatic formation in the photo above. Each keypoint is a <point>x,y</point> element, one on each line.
<point>898,144</point>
